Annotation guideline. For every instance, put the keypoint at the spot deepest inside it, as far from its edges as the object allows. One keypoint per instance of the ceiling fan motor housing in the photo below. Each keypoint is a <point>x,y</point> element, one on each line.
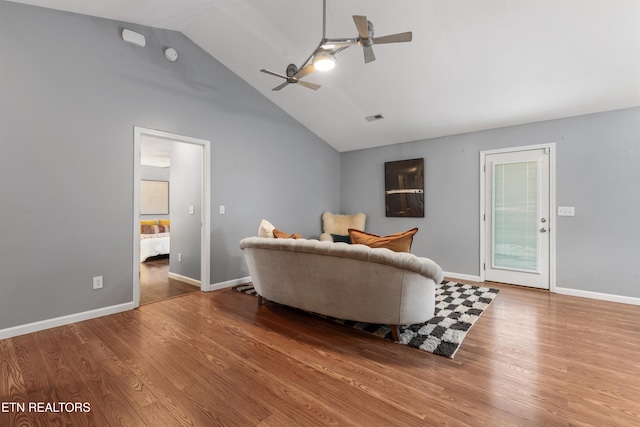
<point>368,42</point>
<point>291,70</point>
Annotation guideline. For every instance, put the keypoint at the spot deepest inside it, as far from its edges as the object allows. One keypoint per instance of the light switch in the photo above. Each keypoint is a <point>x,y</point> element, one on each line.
<point>566,211</point>
<point>221,209</point>
<point>191,210</point>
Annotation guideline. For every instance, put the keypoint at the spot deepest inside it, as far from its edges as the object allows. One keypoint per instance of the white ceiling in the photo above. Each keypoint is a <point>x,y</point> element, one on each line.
<point>472,64</point>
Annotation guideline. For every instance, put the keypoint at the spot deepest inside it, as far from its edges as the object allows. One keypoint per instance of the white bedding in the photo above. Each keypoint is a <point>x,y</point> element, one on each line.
<point>153,244</point>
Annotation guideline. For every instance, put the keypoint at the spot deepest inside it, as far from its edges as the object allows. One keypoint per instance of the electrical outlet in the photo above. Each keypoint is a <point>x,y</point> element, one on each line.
<point>97,282</point>
<point>566,211</point>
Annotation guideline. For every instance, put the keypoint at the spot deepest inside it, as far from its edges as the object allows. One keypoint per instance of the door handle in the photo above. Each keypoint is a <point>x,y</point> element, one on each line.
<point>543,230</point>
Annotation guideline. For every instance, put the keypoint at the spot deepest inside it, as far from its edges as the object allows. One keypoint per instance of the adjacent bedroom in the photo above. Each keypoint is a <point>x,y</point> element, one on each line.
<point>156,281</point>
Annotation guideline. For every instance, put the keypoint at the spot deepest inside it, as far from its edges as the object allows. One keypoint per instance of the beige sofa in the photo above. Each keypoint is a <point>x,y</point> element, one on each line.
<point>351,282</point>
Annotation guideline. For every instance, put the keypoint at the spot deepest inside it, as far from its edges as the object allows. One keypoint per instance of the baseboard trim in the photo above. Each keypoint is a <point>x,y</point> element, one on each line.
<point>458,276</point>
<point>184,279</point>
<point>598,296</point>
<point>106,311</point>
<point>229,283</point>
<point>558,290</point>
<point>63,320</point>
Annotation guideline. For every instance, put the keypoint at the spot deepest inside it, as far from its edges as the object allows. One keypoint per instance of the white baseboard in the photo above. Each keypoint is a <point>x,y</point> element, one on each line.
<point>458,276</point>
<point>184,279</point>
<point>91,314</point>
<point>564,291</point>
<point>598,295</point>
<point>228,283</point>
<point>64,320</point>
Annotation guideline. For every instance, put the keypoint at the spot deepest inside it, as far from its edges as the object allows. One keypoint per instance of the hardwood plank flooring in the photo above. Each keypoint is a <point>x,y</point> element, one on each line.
<point>155,285</point>
<point>217,359</point>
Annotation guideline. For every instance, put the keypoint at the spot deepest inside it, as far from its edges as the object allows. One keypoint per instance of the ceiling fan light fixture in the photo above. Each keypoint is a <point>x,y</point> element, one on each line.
<point>324,61</point>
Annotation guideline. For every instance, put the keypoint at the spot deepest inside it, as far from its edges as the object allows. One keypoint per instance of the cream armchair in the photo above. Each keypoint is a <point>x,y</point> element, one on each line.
<point>340,224</point>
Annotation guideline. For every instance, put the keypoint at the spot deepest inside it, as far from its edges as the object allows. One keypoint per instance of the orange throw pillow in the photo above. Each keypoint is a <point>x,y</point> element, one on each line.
<point>398,242</point>
<point>279,234</point>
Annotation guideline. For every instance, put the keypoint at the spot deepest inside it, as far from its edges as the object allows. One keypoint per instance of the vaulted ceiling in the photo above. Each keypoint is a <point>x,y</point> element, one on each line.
<point>472,65</point>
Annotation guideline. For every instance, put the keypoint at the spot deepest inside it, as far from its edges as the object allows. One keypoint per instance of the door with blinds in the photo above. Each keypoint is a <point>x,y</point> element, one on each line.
<point>517,217</point>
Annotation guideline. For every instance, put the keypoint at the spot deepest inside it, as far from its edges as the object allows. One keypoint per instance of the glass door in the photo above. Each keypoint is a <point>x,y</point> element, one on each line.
<point>516,218</point>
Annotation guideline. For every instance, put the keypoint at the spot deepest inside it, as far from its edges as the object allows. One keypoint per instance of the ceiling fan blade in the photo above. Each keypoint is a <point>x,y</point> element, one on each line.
<point>309,85</point>
<point>339,50</point>
<point>361,26</point>
<point>274,74</point>
<point>280,86</point>
<point>368,54</point>
<point>305,71</point>
<point>394,38</point>
<point>338,44</point>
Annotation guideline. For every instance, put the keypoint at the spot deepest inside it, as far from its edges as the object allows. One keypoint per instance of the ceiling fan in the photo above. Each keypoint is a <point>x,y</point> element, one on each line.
<point>323,56</point>
<point>293,76</point>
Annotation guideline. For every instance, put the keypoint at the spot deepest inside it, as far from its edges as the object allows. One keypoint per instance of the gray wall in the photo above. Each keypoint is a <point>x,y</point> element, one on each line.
<point>598,172</point>
<point>186,191</point>
<point>71,92</point>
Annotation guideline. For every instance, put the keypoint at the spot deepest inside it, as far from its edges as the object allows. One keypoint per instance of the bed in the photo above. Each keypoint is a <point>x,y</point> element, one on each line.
<point>154,238</point>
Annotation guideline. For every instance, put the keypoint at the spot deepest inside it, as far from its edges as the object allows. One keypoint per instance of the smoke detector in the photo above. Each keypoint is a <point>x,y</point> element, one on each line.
<point>171,54</point>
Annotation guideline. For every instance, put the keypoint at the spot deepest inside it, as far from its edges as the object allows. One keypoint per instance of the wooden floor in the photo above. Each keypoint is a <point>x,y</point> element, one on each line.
<point>208,359</point>
<point>155,284</point>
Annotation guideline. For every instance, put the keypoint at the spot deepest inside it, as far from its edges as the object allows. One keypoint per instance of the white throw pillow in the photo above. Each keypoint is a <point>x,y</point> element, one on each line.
<point>265,229</point>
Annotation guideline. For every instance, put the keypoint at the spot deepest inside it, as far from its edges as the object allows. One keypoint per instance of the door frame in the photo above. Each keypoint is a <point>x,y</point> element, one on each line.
<point>205,229</point>
<point>551,147</point>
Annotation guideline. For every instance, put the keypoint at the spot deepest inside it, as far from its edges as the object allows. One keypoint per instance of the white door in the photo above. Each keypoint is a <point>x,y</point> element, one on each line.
<point>517,217</point>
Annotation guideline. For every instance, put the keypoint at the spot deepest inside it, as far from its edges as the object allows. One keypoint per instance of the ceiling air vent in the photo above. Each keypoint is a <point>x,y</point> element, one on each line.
<point>374,117</point>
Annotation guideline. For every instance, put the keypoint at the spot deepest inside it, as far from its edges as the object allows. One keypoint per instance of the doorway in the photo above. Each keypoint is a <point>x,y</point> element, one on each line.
<point>517,221</point>
<point>156,283</point>
<point>198,210</point>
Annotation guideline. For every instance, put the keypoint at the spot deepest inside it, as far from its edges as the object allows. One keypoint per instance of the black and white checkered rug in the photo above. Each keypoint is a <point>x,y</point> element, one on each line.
<point>458,307</point>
